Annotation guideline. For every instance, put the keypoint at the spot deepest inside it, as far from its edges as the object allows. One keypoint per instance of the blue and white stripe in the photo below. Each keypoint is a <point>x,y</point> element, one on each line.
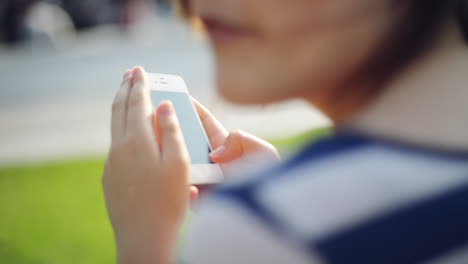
<point>347,199</point>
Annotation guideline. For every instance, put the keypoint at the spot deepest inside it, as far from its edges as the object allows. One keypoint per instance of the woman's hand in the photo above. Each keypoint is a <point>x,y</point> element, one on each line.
<point>229,147</point>
<point>234,145</point>
<point>146,177</point>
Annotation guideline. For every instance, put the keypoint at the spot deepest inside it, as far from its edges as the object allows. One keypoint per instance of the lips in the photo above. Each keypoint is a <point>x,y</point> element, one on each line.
<point>223,32</point>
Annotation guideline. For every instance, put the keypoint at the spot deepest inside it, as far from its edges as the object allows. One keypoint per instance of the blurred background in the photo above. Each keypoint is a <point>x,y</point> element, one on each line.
<point>61,62</point>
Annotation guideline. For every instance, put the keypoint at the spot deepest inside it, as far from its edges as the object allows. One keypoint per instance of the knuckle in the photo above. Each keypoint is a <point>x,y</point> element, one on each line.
<point>135,99</point>
<point>119,152</point>
<point>235,135</point>
<point>172,127</point>
<point>138,142</point>
<point>130,145</point>
<point>177,155</point>
<point>180,162</point>
<point>238,133</point>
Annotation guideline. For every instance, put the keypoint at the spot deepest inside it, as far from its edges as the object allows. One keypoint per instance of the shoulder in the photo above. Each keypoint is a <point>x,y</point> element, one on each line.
<point>334,186</point>
<point>224,231</point>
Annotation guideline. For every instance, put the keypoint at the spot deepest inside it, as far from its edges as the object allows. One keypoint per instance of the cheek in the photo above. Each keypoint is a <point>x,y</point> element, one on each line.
<point>301,53</point>
<point>324,59</point>
<point>253,79</point>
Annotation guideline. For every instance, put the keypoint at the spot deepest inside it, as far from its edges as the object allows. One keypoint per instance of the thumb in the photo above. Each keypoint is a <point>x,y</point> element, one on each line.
<point>239,144</point>
<point>231,149</point>
<point>169,134</point>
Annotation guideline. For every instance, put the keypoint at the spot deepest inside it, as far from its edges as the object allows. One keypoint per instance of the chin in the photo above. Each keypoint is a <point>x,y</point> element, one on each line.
<point>237,90</point>
<point>235,95</point>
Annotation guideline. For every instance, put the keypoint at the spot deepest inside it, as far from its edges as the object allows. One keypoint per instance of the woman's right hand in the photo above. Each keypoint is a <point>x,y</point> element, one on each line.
<point>228,147</point>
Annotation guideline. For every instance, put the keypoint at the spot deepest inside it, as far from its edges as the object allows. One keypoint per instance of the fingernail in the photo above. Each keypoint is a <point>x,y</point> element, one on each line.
<point>127,74</point>
<point>139,69</point>
<point>138,73</point>
<point>165,108</point>
<point>217,152</point>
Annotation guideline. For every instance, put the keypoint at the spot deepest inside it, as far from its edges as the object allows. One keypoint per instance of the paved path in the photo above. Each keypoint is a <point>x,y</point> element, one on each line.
<point>55,104</point>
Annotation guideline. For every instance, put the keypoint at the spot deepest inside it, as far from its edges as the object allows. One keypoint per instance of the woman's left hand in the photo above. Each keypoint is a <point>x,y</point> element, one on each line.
<point>146,177</point>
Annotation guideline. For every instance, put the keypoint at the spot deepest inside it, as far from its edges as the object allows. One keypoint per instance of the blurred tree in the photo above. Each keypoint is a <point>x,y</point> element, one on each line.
<point>12,26</point>
<point>84,14</point>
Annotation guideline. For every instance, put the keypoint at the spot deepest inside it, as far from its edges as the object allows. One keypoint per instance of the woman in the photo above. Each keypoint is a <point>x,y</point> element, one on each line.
<point>390,186</point>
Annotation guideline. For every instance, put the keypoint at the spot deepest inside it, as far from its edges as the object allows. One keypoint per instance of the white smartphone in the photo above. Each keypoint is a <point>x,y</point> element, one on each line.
<point>173,88</point>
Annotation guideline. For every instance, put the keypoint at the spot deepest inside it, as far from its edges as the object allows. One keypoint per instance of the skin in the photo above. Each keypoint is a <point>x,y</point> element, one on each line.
<point>146,176</point>
<point>129,179</point>
<point>294,49</point>
<point>310,47</point>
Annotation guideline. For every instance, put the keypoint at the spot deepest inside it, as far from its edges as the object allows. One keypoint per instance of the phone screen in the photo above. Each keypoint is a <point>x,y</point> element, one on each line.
<point>192,130</point>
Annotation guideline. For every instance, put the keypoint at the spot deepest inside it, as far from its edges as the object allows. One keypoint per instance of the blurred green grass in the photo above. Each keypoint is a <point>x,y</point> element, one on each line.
<point>54,212</point>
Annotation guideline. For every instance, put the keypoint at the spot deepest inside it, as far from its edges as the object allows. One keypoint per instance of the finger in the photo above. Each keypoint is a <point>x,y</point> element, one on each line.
<point>119,107</point>
<point>205,189</point>
<point>156,130</point>
<point>172,141</point>
<point>216,133</point>
<point>193,193</point>
<point>231,150</point>
<point>140,109</point>
<point>239,144</point>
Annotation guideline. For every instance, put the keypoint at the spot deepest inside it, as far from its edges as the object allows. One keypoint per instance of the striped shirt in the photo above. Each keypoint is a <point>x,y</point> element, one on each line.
<point>347,199</point>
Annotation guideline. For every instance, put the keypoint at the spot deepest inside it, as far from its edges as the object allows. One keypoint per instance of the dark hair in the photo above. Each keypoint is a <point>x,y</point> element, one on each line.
<point>414,34</point>
<point>462,15</point>
<point>183,8</point>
